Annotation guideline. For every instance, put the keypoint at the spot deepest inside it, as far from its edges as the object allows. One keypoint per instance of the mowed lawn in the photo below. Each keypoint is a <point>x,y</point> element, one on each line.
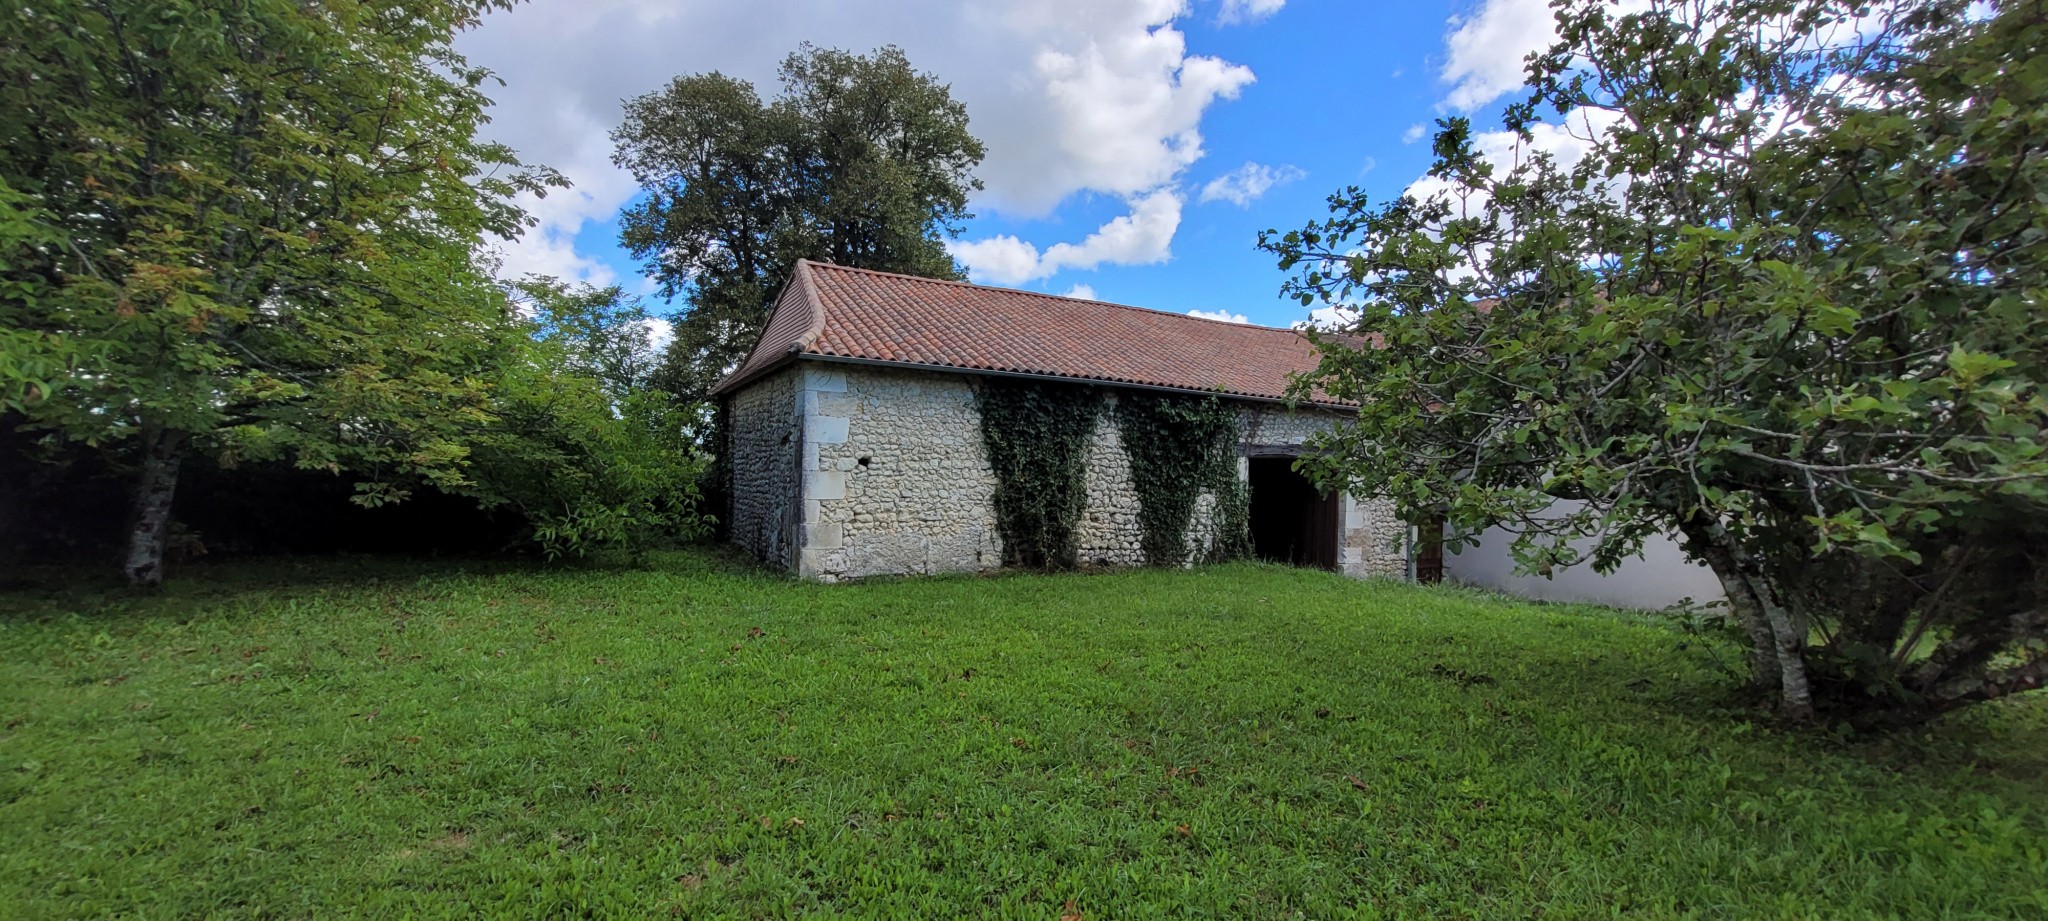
<point>701,739</point>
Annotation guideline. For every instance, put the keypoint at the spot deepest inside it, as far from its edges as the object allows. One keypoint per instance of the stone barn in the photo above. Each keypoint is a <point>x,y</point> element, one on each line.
<point>856,446</point>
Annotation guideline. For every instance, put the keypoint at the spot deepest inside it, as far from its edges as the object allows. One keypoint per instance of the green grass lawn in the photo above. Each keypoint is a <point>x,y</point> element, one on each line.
<point>700,739</point>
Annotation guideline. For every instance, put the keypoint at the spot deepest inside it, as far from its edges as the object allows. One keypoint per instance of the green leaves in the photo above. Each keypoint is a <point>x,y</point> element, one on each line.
<point>1973,367</point>
<point>1790,295</point>
<point>1181,447</point>
<point>240,224</point>
<point>263,224</point>
<point>861,161</point>
<point>1037,435</point>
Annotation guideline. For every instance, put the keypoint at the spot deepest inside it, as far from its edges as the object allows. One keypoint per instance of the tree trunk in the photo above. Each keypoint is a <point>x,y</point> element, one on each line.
<point>1743,605</point>
<point>1776,637</point>
<point>163,451</point>
<point>1795,693</point>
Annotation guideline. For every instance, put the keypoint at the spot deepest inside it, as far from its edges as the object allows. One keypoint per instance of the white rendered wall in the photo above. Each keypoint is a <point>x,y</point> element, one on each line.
<point>1657,578</point>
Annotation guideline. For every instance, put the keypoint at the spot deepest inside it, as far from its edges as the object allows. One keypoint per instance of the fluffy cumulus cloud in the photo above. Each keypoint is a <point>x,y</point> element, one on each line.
<point>1115,103</point>
<point>1330,318</point>
<point>1084,292</point>
<point>1068,95</point>
<point>1224,315</point>
<point>1483,56</point>
<point>660,333</point>
<point>1248,183</point>
<point>1566,141</point>
<point>1237,11</point>
<point>1142,237</point>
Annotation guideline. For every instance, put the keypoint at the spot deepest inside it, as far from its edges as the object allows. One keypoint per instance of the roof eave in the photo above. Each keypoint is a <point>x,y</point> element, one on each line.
<point>1028,375</point>
<point>738,379</point>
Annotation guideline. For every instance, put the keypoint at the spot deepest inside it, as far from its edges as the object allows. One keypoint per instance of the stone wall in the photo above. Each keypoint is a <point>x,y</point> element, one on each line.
<point>1107,533</point>
<point>1109,530</point>
<point>762,517</point>
<point>1374,543</point>
<point>895,480</point>
<point>1372,540</point>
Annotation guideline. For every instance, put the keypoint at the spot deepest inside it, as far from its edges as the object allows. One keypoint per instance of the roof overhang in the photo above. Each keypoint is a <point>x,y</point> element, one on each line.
<point>793,356</point>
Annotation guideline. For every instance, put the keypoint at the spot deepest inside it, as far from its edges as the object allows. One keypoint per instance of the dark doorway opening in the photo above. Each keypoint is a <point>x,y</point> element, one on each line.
<point>1291,522</point>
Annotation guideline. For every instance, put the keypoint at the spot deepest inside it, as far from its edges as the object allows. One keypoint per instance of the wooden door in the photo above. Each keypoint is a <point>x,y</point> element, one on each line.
<point>1324,530</point>
<point>1429,551</point>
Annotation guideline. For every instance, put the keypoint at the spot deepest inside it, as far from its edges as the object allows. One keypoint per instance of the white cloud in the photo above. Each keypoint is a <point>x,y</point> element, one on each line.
<point>1413,134</point>
<point>1247,183</point>
<point>1484,52</point>
<point>1084,292</point>
<point>660,333</point>
<point>1068,95</point>
<point>1224,315</point>
<point>1142,237</point>
<point>549,248</point>
<point>1119,104</point>
<point>1002,260</point>
<point>1247,11</point>
<point>1330,318</point>
<point>1566,140</point>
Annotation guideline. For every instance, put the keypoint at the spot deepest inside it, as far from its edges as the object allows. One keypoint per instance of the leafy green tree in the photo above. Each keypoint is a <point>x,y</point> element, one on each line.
<point>862,161</point>
<point>247,231</point>
<point>590,457</point>
<point>1788,305</point>
<point>604,334</point>
<point>31,360</point>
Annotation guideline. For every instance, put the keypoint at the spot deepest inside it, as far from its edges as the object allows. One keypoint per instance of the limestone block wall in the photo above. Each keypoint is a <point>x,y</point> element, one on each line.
<point>845,471</point>
<point>764,418</point>
<point>1374,541</point>
<point>1109,532</point>
<point>896,479</point>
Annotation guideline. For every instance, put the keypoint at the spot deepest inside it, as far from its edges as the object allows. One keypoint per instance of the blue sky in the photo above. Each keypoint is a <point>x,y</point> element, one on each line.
<point>1108,123</point>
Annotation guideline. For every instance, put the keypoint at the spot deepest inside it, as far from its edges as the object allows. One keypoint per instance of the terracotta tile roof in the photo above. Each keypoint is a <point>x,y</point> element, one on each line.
<point>830,311</point>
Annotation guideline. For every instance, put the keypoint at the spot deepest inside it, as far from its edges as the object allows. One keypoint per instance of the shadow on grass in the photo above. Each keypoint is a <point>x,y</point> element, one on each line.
<point>1670,674</point>
<point>42,590</point>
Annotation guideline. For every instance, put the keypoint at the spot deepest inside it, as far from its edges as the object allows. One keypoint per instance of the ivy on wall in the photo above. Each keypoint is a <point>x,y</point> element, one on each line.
<point>1180,447</point>
<point>1036,434</point>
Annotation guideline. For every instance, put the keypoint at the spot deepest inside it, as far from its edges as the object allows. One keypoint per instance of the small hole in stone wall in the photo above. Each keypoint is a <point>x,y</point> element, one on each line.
<point>863,462</point>
<point>785,439</point>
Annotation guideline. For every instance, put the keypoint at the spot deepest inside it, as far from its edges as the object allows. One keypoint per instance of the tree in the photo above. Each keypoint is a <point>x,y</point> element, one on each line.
<point>862,161</point>
<point>604,335</point>
<point>1787,305</point>
<point>248,231</point>
<point>590,457</point>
